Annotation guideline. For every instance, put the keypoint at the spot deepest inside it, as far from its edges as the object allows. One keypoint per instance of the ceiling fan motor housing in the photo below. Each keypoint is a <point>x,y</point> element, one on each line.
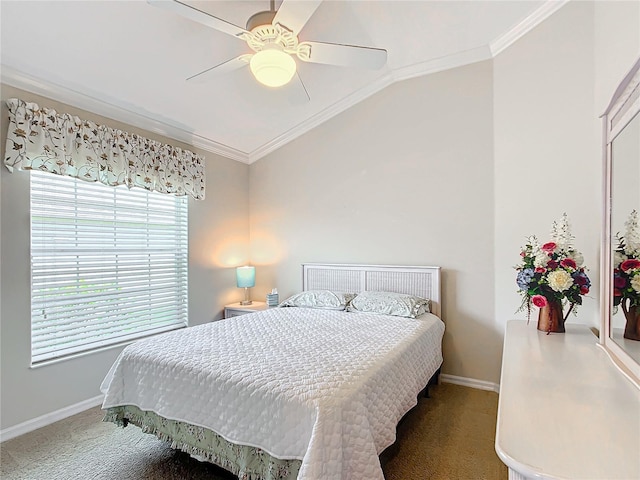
<point>259,19</point>
<point>272,34</point>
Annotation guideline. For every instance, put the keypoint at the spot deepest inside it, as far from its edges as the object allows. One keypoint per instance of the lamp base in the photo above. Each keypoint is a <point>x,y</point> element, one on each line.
<point>246,300</point>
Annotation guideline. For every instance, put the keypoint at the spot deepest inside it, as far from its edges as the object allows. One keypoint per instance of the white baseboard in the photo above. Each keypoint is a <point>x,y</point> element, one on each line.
<point>470,382</point>
<point>49,418</point>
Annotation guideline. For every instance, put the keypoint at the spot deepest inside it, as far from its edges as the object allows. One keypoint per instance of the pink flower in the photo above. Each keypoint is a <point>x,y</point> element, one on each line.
<point>568,263</point>
<point>539,301</point>
<point>549,247</point>
<point>630,264</point>
<point>540,270</point>
<point>552,264</point>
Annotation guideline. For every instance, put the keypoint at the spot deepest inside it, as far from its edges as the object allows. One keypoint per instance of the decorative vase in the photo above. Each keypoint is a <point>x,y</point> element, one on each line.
<point>632,327</point>
<point>550,317</point>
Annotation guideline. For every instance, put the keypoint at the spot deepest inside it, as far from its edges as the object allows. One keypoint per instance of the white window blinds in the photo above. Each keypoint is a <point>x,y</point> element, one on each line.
<point>108,265</point>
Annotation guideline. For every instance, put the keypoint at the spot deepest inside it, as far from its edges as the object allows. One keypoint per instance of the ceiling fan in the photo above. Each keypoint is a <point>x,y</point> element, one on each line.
<point>273,37</point>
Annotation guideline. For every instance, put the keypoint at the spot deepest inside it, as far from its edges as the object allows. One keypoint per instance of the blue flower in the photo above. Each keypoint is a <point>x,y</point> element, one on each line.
<point>581,278</point>
<point>524,278</point>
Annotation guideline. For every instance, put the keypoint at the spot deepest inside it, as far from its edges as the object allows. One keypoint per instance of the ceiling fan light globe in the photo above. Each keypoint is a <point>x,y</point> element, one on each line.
<point>272,68</point>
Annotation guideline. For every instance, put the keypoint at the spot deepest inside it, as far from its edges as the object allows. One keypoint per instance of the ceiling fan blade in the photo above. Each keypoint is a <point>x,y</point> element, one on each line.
<point>296,92</point>
<point>220,69</point>
<point>294,14</point>
<point>346,55</point>
<point>199,16</point>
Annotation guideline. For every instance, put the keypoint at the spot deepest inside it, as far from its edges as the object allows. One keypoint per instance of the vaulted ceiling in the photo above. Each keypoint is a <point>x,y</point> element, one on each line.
<point>129,60</point>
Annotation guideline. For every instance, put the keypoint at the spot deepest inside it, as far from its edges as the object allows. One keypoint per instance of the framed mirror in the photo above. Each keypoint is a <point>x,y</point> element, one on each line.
<point>620,272</point>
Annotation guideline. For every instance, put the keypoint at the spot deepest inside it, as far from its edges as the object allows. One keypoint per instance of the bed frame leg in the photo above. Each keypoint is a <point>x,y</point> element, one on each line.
<point>434,380</point>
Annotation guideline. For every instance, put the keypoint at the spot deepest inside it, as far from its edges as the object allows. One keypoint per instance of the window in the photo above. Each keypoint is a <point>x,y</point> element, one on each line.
<point>108,265</point>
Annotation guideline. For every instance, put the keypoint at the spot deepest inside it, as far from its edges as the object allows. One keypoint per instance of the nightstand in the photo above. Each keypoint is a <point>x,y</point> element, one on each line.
<point>235,309</point>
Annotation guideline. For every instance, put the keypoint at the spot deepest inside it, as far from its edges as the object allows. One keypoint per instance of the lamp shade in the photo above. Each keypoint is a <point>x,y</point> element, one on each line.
<point>246,277</point>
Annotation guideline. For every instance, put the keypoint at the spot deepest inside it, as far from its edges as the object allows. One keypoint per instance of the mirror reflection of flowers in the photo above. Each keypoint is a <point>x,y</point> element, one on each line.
<point>552,271</point>
<point>626,265</point>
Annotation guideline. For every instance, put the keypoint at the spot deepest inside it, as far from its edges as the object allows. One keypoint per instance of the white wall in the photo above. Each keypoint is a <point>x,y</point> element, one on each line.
<point>218,241</point>
<point>616,47</point>
<point>406,178</point>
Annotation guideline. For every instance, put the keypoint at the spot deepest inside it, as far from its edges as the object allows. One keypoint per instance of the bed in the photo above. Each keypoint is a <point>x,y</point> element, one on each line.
<point>308,392</point>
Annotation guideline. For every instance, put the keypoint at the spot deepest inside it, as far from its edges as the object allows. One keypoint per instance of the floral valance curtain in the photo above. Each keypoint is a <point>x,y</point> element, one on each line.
<point>41,139</point>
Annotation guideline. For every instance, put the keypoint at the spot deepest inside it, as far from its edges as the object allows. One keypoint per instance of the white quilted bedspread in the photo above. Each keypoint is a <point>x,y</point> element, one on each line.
<point>326,387</point>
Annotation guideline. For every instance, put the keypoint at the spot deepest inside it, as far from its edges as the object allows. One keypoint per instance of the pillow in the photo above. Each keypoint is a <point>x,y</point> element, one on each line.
<point>389,303</point>
<point>319,299</point>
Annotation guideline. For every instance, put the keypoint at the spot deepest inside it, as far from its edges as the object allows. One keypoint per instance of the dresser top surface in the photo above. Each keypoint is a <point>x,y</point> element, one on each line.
<point>565,411</point>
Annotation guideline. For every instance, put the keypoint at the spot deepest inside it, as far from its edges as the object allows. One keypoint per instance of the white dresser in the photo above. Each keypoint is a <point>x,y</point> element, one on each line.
<point>565,412</point>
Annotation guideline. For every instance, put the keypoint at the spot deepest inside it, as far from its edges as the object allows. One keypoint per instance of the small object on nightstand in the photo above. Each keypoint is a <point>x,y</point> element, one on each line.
<point>272,298</point>
<point>236,309</point>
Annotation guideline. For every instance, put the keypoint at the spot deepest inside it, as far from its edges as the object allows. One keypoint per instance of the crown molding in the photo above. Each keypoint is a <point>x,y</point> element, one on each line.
<point>519,30</point>
<point>123,113</point>
<point>435,65</point>
<point>120,113</point>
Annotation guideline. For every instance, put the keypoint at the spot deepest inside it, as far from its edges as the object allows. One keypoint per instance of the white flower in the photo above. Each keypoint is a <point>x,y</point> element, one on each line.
<point>533,245</point>
<point>561,233</point>
<point>635,283</point>
<point>560,280</point>
<point>577,257</point>
<point>632,235</point>
<point>618,258</point>
<point>541,259</point>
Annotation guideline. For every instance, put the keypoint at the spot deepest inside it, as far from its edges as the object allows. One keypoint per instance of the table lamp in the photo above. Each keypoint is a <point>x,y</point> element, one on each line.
<point>246,278</point>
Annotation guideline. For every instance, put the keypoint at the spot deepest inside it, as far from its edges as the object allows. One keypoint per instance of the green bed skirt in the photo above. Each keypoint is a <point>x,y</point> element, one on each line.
<point>248,463</point>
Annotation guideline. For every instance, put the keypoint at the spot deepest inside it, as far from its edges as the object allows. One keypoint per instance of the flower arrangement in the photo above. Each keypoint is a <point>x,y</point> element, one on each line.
<point>626,265</point>
<point>553,271</point>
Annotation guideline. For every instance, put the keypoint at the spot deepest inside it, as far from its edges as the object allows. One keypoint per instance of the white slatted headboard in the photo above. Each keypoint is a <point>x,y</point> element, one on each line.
<point>421,281</point>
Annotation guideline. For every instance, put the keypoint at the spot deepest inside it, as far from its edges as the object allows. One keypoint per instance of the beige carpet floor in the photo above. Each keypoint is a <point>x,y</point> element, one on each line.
<point>447,436</point>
